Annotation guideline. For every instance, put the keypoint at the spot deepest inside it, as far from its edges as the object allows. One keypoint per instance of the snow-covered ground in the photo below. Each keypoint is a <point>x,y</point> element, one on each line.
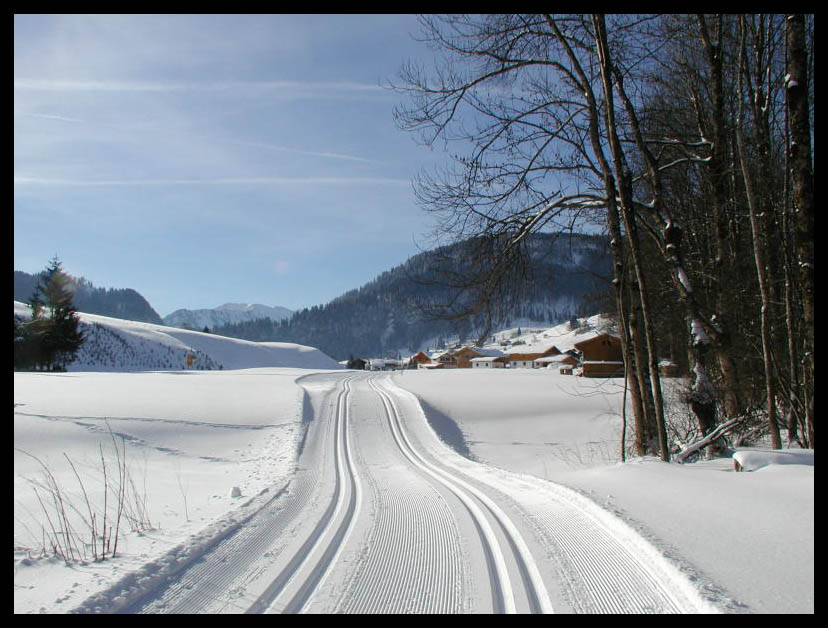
<point>190,438</point>
<point>744,540</point>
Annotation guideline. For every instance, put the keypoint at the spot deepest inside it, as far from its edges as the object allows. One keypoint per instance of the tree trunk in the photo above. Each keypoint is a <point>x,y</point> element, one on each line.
<point>717,167</point>
<point>626,205</point>
<point>797,84</point>
<point>758,253</point>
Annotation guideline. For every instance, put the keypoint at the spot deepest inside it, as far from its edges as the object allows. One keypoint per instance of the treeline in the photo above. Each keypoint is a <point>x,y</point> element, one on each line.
<point>690,139</point>
<point>399,310</point>
<point>124,303</point>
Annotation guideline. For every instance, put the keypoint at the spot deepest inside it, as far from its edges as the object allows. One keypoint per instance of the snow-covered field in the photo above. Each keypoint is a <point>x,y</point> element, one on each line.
<point>744,540</point>
<point>190,438</point>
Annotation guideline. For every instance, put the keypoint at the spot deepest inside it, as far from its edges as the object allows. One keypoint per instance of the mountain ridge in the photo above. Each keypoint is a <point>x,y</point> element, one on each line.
<point>227,313</point>
<point>387,316</point>
<point>123,303</point>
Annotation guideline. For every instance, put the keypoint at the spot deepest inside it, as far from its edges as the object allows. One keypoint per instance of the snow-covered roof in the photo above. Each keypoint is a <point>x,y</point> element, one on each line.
<point>561,357</point>
<point>489,353</point>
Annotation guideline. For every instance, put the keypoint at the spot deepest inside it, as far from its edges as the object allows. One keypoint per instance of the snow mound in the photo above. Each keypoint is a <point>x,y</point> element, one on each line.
<point>755,459</point>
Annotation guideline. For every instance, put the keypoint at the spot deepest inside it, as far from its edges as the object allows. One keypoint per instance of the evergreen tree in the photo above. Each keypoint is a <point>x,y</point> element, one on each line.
<point>51,338</point>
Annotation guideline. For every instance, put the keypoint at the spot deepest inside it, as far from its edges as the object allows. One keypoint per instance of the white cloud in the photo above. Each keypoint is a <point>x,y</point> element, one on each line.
<point>24,180</point>
<point>68,85</point>
<point>46,116</point>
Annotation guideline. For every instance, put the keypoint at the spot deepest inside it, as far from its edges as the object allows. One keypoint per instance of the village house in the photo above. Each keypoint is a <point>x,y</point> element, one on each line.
<point>601,356</point>
<point>563,362</point>
<point>489,362</point>
<point>382,364</point>
<point>357,363</point>
<point>417,360</point>
<point>527,360</point>
<point>432,366</point>
<point>445,358</point>
<point>465,355</point>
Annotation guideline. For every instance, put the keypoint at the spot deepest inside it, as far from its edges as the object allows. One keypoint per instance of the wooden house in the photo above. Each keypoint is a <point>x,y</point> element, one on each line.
<point>419,359</point>
<point>357,363</point>
<point>446,359</point>
<point>489,362</point>
<point>562,362</point>
<point>465,355</point>
<point>601,356</point>
<point>527,360</point>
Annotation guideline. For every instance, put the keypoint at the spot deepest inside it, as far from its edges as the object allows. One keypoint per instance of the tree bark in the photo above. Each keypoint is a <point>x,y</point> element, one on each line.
<point>802,178</point>
<point>626,205</point>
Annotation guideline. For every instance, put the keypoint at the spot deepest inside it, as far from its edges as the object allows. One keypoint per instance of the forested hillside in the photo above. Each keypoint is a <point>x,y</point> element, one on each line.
<point>396,311</point>
<point>123,303</point>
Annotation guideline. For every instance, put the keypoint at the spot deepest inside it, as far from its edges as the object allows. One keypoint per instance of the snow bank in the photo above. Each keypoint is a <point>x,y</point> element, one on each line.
<point>755,459</point>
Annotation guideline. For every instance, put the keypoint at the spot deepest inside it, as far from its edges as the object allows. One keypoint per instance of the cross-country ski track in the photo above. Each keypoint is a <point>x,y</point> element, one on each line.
<point>382,517</point>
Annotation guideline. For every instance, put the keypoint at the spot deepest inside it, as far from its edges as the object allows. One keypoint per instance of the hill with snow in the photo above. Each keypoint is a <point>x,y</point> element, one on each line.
<point>403,310</point>
<point>118,345</point>
<point>123,303</point>
<point>227,314</point>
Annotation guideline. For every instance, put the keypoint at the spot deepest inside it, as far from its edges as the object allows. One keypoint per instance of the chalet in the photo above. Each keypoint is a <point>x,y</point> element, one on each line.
<point>562,362</point>
<point>527,360</point>
<point>446,359</point>
<point>357,363</point>
<point>601,356</point>
<point>489,362</point>
<point>465,355</point>
<point>417,360</point>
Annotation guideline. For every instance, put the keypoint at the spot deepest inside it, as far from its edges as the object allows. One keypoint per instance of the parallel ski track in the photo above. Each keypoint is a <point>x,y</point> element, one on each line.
<point>208,580</point>
<point>412,562</point>
<point>475,502</point>
<point>310,565</point>
<point>611,568</point>
<point>612,578</point>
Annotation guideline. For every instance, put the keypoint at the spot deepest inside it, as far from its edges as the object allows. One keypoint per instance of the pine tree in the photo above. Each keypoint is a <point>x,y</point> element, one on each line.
<point>51,338</point>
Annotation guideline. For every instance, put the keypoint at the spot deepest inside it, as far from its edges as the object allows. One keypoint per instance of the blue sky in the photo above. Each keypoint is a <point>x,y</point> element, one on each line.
<point>210,159</point>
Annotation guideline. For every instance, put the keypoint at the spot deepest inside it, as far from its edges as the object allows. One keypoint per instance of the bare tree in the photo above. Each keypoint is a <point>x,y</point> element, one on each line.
<point>801,164</point>
<point>634,122</point>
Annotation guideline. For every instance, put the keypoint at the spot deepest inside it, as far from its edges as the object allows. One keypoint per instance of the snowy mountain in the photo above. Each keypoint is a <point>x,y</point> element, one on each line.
<point>113,344</point>
<point>566,276</point>
<point>227,314</point>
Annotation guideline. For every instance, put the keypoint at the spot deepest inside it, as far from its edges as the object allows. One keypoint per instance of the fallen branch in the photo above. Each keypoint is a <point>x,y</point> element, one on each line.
<point>720,431</point>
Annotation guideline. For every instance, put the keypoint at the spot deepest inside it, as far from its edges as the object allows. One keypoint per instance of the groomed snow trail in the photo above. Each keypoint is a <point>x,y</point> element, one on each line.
<point>382,517</point>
